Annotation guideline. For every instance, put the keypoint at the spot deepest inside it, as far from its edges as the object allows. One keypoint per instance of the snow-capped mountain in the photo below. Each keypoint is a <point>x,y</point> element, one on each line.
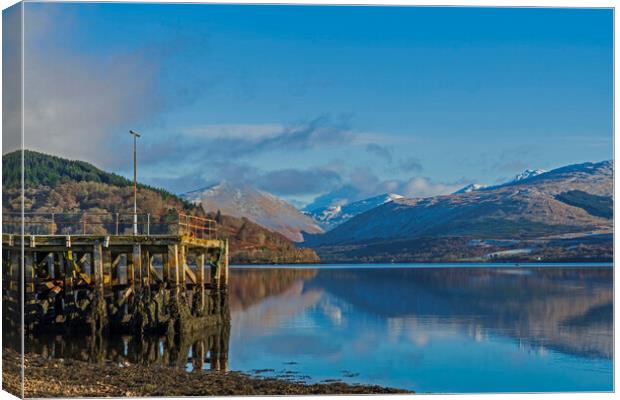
<point>332,216</point>
<point>528,173</point>
<point>472,187</point>
<point>576,199</point>
<point>256,205</point>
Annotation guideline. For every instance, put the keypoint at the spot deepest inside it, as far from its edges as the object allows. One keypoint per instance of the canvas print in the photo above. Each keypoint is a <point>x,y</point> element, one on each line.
<point>226,199</point>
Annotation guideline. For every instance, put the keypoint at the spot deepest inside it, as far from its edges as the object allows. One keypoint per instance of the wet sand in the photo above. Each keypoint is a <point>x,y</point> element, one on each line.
<point>71,378</point>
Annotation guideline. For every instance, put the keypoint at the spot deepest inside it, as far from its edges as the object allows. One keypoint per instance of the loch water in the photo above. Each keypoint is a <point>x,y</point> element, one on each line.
<point>439,329</point>
<point>446,329</point>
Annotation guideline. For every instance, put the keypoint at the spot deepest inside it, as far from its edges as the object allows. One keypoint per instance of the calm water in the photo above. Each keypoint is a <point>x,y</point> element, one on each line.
<point>442,329</point>
<point>429,329</point>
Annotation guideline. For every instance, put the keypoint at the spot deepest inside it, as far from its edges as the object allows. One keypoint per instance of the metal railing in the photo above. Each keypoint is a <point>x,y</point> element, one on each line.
<point>196,226</point>
<point>108,223</point>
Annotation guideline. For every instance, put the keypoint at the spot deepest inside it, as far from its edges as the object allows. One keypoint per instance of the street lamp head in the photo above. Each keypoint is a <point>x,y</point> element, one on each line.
<point>136,134</point>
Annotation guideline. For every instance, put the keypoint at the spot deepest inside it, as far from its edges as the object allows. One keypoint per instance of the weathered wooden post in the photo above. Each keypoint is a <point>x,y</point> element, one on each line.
<point>173,265</point>
<point>99,310</point>
<point>50,265</point>
<point>131,276</point>
<point>68,283</point>
<point>15,271</point>
<point>183,265</point>
<point>29,271</point>
<point>106,269</point>
<point>201,353</point>
<point>225,263</point>
<point>136,262</point>
<point>165,270</point>
<point>200,265</point>
<point>98,267</point>
<point>146,267</point>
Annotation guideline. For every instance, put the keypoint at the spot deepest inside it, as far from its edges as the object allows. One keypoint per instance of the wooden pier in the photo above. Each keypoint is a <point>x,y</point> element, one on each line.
<point>128,283</point>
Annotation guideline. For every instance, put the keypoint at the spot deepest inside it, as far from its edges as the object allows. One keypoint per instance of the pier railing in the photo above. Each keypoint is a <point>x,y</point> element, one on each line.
<point>108,223</point>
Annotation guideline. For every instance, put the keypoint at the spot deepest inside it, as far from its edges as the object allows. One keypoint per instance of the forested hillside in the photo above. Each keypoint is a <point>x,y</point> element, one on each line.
<point>68,188</point>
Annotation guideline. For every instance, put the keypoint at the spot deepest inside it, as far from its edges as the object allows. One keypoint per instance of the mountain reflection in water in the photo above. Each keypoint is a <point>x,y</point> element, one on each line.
<point>430,329</point>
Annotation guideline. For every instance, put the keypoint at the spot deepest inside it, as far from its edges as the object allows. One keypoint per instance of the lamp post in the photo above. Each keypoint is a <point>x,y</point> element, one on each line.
<point>135,135</point>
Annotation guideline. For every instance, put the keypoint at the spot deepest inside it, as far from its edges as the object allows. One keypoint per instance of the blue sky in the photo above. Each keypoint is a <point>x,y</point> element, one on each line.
<point>305,101</point>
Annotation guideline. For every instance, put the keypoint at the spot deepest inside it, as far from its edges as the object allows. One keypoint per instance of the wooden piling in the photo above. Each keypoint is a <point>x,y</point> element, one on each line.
<point>106,271</point>
<point>70,257</point>
<point>136,263</point>
<point>146,263</point>
<point>224,258</point>
<point>29,272</point>
<point>98,267</point>
<point>173,266</point>
<point>183,266</point>
<point>50,265</point>
<point>200,265</point>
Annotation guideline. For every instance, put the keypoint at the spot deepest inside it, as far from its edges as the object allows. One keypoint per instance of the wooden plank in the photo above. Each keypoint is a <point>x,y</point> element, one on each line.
<point>190,274</point>
<point>116,270</point>
<point>154,275</point>
<point>65,241</point>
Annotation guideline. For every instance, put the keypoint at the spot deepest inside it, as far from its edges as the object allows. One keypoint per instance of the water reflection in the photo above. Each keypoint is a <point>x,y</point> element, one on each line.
<point>204,350</point>
<point>447,330</point>
<point>569,309</point>
<point>426,329</point>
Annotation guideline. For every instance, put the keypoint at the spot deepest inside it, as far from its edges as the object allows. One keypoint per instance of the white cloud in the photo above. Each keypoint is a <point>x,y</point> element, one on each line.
<point>425,187</point>
<point>235,131</point>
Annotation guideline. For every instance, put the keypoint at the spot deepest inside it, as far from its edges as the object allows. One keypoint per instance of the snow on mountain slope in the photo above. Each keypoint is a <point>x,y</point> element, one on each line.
<point>528,173</point>
<point>523,208</point>
<point>332,216</point>
<point>258,206</point>
<point>472,187</point>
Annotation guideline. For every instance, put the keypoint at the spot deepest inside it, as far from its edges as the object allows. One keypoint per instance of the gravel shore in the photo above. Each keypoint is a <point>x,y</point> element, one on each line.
<point>71,378</point>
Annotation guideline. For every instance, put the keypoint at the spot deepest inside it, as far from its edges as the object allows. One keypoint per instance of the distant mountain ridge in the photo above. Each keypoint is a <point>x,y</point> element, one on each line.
<point>263,208</point>
<point>332,216</point>
<point>528,173</point>
<point>540,205</point>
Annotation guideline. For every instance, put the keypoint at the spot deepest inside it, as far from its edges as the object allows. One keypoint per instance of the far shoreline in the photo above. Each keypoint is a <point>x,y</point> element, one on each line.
<point>429,265</point>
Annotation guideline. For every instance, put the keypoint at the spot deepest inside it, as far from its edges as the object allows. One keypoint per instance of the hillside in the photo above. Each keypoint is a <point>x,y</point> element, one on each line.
<point>56,185</point>
<point>568,202</point>
<point>47,170</point>
<point>263,208</point>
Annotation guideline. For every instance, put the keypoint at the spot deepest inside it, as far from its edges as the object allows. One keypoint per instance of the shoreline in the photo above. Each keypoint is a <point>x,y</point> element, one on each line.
<point>73,378</point>
<point>462,264</point>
